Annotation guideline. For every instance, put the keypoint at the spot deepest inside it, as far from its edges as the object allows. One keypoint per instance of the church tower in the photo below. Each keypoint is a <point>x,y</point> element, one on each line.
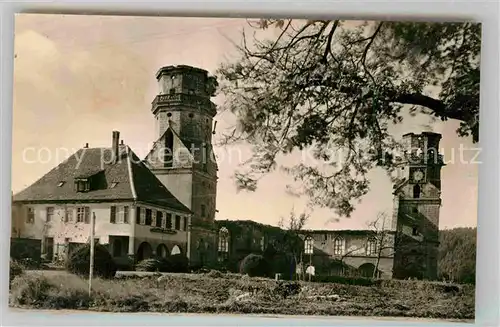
<point>182,157</point>
<point>417,205</point>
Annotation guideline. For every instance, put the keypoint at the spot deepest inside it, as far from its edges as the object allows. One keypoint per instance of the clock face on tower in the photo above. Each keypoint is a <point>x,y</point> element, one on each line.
<point>418,176</point>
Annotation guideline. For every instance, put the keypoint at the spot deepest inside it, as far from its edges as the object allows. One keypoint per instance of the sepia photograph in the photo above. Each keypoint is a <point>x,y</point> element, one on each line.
<point>245,166</point>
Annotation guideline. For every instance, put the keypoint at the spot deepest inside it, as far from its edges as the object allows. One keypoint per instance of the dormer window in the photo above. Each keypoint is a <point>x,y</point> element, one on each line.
<point>82,185</point>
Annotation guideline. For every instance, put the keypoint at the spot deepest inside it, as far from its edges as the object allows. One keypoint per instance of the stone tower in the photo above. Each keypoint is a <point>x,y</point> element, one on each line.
<point>182,157</point>
<point>417,205</point>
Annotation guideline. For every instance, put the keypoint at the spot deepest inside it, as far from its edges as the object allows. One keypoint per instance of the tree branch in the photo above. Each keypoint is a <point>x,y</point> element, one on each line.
<point>328,49</point>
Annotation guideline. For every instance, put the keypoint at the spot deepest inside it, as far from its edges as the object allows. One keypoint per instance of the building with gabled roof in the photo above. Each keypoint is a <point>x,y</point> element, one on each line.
<point>136,215</point>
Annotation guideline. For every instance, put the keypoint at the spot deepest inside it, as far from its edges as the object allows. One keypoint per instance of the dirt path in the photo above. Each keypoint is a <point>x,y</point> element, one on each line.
<point>325,319</point>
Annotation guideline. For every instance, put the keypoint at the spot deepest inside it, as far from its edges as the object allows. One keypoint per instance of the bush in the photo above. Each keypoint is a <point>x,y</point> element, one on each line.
<point>176,263</point>
<point>40,291</point>
<point>255,265</point>
<point>79,262</point>
<point>22,248</point>
<point>152,265</point>
<point>15,270</point>
<point>30,263</point>
<point>30,290</point>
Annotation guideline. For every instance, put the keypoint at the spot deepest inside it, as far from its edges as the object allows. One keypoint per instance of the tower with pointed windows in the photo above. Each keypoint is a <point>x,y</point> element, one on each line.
<point>182,157</point>
<point>417,198</point>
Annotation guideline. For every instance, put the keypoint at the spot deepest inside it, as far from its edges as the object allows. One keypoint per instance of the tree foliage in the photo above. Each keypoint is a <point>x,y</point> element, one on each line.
<point>290,241</point>
<point>255,265</point>
<point>457,254</point>
<point>337,89</point>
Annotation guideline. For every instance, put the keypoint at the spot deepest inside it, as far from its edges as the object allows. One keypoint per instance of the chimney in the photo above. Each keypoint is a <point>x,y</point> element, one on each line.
<point>121,142</point>
<point>114,145</point>
<point>86,146</point>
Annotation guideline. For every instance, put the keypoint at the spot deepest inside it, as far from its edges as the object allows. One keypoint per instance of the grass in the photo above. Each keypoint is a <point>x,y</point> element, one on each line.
<point>216,292</point>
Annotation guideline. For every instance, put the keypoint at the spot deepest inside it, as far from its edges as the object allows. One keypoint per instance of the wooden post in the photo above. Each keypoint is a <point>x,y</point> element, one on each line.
<point>92,245</point>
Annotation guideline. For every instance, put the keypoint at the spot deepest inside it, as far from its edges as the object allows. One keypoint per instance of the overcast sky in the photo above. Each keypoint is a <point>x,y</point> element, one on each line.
<point>77,78</point>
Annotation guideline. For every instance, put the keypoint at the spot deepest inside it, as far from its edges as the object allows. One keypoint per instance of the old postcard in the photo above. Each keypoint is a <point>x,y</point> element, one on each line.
<point>237,166</point>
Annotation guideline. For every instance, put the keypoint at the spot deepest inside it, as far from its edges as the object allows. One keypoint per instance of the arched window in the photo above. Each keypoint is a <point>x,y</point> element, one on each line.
<point>371,246</point>
<point>223,248</point>
<point>308,245</point>
<point>338,246</point>
<point>416,191</point>
<point>168,158</point>
<point>176,250</point>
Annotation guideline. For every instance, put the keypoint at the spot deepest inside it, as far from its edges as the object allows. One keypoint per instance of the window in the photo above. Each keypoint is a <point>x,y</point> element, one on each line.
<point>68,214</point>
<point>168,150</point>
<point>82,185</point>
<point>159,218</point>
<point>126,215</point>
<point>223,240</point>
<point>49,214</point>
<point>414,231</point>
<point>416,191</point>
<point>338,246</point>
<point>309,245</point>
<point>30,218</point>
<point>178,222</point>
<point>371,247</point>
<point>431,156</point>
<point>112,215</point>
<point>149,217</point>
<point>223,248</point>
<point>83,215</point>
<point>205,158</point>
<point>87,216</point>
<point>185,223</point>
<point>138,215</point>
<point>168,224</point>
<point>262,244</point>
<point>203,210</point>
<point>191,115</point>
